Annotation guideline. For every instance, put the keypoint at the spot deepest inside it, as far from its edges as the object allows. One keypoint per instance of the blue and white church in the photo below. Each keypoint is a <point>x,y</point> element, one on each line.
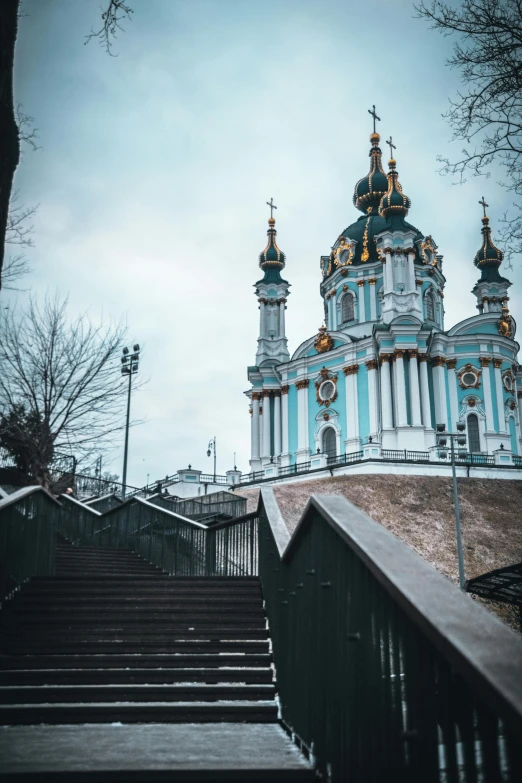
<point>383,369</point>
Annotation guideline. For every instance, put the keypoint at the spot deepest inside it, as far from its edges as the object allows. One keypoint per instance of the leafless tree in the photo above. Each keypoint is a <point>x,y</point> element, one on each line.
<point>19,232</point>
<point>15,126</point>
<point>487,112</point>
<point>61,389</point>
<point>112,19</point>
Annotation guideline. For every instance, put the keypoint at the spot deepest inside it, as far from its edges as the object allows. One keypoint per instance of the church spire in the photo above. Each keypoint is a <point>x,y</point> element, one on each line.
<point>371,188</point>
<point>489,257</point>
<point>394,202</point>
<point>272,259</point>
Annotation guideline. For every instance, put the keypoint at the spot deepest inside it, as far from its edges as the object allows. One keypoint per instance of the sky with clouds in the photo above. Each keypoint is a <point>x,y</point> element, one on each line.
<point>154,168</point>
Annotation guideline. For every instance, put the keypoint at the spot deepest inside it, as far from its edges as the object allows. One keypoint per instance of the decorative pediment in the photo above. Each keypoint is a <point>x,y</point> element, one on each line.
<point>324,341</point>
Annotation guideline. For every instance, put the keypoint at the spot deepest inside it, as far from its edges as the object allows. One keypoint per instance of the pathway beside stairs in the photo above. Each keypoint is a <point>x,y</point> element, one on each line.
<point>113,670</point>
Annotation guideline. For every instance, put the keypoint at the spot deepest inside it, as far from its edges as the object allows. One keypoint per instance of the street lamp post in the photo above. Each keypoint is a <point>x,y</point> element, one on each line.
<point>129,366</point>
<point>442,443</point>
<point>212,448</point>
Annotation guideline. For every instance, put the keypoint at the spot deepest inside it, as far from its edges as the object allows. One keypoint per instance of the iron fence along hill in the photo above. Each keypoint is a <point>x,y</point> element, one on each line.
<point>385,669</point>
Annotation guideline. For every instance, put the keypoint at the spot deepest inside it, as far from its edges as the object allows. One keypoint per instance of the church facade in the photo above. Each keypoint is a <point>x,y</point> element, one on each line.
<point>383,369</point>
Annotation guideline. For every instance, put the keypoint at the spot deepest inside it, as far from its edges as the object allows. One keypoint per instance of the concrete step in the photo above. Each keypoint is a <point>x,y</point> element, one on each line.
<point>145,661</point>
<point>118,631</point>
<point>225,752</point>
<point>132,692</point>
<point>127,618</point>
<point>146,712</point>
<point>133,648</point>
<point>115,676</point>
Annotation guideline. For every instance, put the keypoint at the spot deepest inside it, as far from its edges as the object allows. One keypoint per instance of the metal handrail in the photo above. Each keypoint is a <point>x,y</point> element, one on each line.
<point>385,669</point>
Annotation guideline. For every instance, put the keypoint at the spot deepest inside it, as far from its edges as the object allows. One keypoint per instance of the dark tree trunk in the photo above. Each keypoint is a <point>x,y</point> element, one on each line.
<point>9,141</point>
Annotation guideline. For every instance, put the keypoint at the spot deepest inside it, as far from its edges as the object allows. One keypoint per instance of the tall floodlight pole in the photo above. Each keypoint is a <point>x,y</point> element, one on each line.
<point>442,443</point>
<point>129,366</point>
<point>212,448</point>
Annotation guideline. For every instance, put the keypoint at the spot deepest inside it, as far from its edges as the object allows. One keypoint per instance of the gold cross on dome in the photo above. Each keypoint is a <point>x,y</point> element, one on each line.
<point>272,206</point>
<point>484,205</point>
<point>391,146</point>
<point>374,115</point>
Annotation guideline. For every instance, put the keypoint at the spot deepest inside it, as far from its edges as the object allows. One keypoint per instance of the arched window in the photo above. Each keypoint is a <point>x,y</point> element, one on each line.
<point>329,442</point>
<point>473,433</point>
<point>347,308</point>
<point>430,306</point>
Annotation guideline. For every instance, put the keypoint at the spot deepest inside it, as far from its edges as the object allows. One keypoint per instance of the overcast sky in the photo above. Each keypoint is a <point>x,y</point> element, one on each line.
<point>155,167</point>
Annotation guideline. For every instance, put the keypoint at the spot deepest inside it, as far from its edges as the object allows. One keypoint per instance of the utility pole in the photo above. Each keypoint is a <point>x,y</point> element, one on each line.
<point>442,442</point>
<point>129,366</point>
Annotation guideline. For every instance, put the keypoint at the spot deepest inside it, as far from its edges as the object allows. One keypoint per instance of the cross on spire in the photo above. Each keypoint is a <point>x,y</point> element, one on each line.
<point>484,205</point>
<point>374,115</point>
<point>391,146</point>
<point>272,206</point>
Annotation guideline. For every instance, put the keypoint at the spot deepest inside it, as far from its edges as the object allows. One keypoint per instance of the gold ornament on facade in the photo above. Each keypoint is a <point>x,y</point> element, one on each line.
<point>386,357</point>
<point>325,377</point>
<point>413,353</point>
<point>345,287</point>
<point>512,404</point>
<point>497,363</point>
<point>302,384</point>
<point>519,395</point>
<point>423,357</point>
<point>505,327</point>
<point>344,272</point>
<point>485,361</point>
<point>428,251</point>
<point>352,369</point>
<point>398,354</point>
<point>372,280</point>
<point>323,342</point>
<point>326,416</point>
<point>285,389</point>
<point>418,282</point>
<point>451,364</point>
<point>365,255</point>
<point>472,402</point>
<point>469,377</point>
<point>341,248</point>
<point>438,361</point>
<point>266,392</point>
<point>256,395</point>
<point>371,364</point>
<point>360,282</point>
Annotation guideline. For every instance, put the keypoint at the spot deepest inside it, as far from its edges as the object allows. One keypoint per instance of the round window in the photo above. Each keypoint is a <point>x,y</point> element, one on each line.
<point>327,390</point>
<point>469,379</point>
<point>508,382</point>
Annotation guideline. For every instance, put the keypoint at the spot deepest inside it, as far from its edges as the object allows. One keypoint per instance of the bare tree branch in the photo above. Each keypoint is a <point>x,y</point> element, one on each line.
<point>116,12</point>
<point>15,267</point>
<point>487,113</point>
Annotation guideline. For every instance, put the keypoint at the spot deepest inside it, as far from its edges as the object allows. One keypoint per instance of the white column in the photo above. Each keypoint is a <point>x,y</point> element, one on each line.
<point>362,311</point>
<point>284,422</point>
<point>424,390</point>
<point>519,398</point>
<point>415,405</point>
<point>388,274</point>
<point>488,401</point>
<point>485,302</point>
<point>451,364</point>
<point>262,325</point>
<point>302,417</point>
<point>373,299</point>
<point>266,424</point>
<point>281,318</point>
<point>400,389</point>
<point>333,300</point>
<point>497,363</point>
<point>373,398</point>
<point>255,426</point>
<point>412,285</point>
<point>277,424</point>
<point>439,391</point>
<point>386,391</point>
<point>352,406</point>
<point>260,429</point>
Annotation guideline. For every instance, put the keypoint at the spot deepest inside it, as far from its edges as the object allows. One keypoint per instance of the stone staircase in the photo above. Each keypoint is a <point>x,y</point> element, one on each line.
<point>111,639</point>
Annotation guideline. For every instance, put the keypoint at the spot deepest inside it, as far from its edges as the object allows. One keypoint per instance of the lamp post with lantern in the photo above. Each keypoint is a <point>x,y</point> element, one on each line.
<point>212,448</point>
<point>129,366</point>
<point>458,438</point>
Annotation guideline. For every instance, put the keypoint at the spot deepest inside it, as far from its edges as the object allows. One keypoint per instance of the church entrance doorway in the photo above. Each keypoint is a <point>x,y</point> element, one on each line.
<point>329,442</point>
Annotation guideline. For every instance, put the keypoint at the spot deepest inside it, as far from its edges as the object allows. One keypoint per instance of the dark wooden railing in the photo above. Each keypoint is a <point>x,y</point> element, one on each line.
<point>386,671</point>
<point>27,537</point>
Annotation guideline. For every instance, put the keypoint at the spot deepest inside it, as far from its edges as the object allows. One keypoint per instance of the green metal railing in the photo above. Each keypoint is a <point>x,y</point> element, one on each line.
<point>27,537</point>
<point>178,545</point>
<point>385,670</point>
